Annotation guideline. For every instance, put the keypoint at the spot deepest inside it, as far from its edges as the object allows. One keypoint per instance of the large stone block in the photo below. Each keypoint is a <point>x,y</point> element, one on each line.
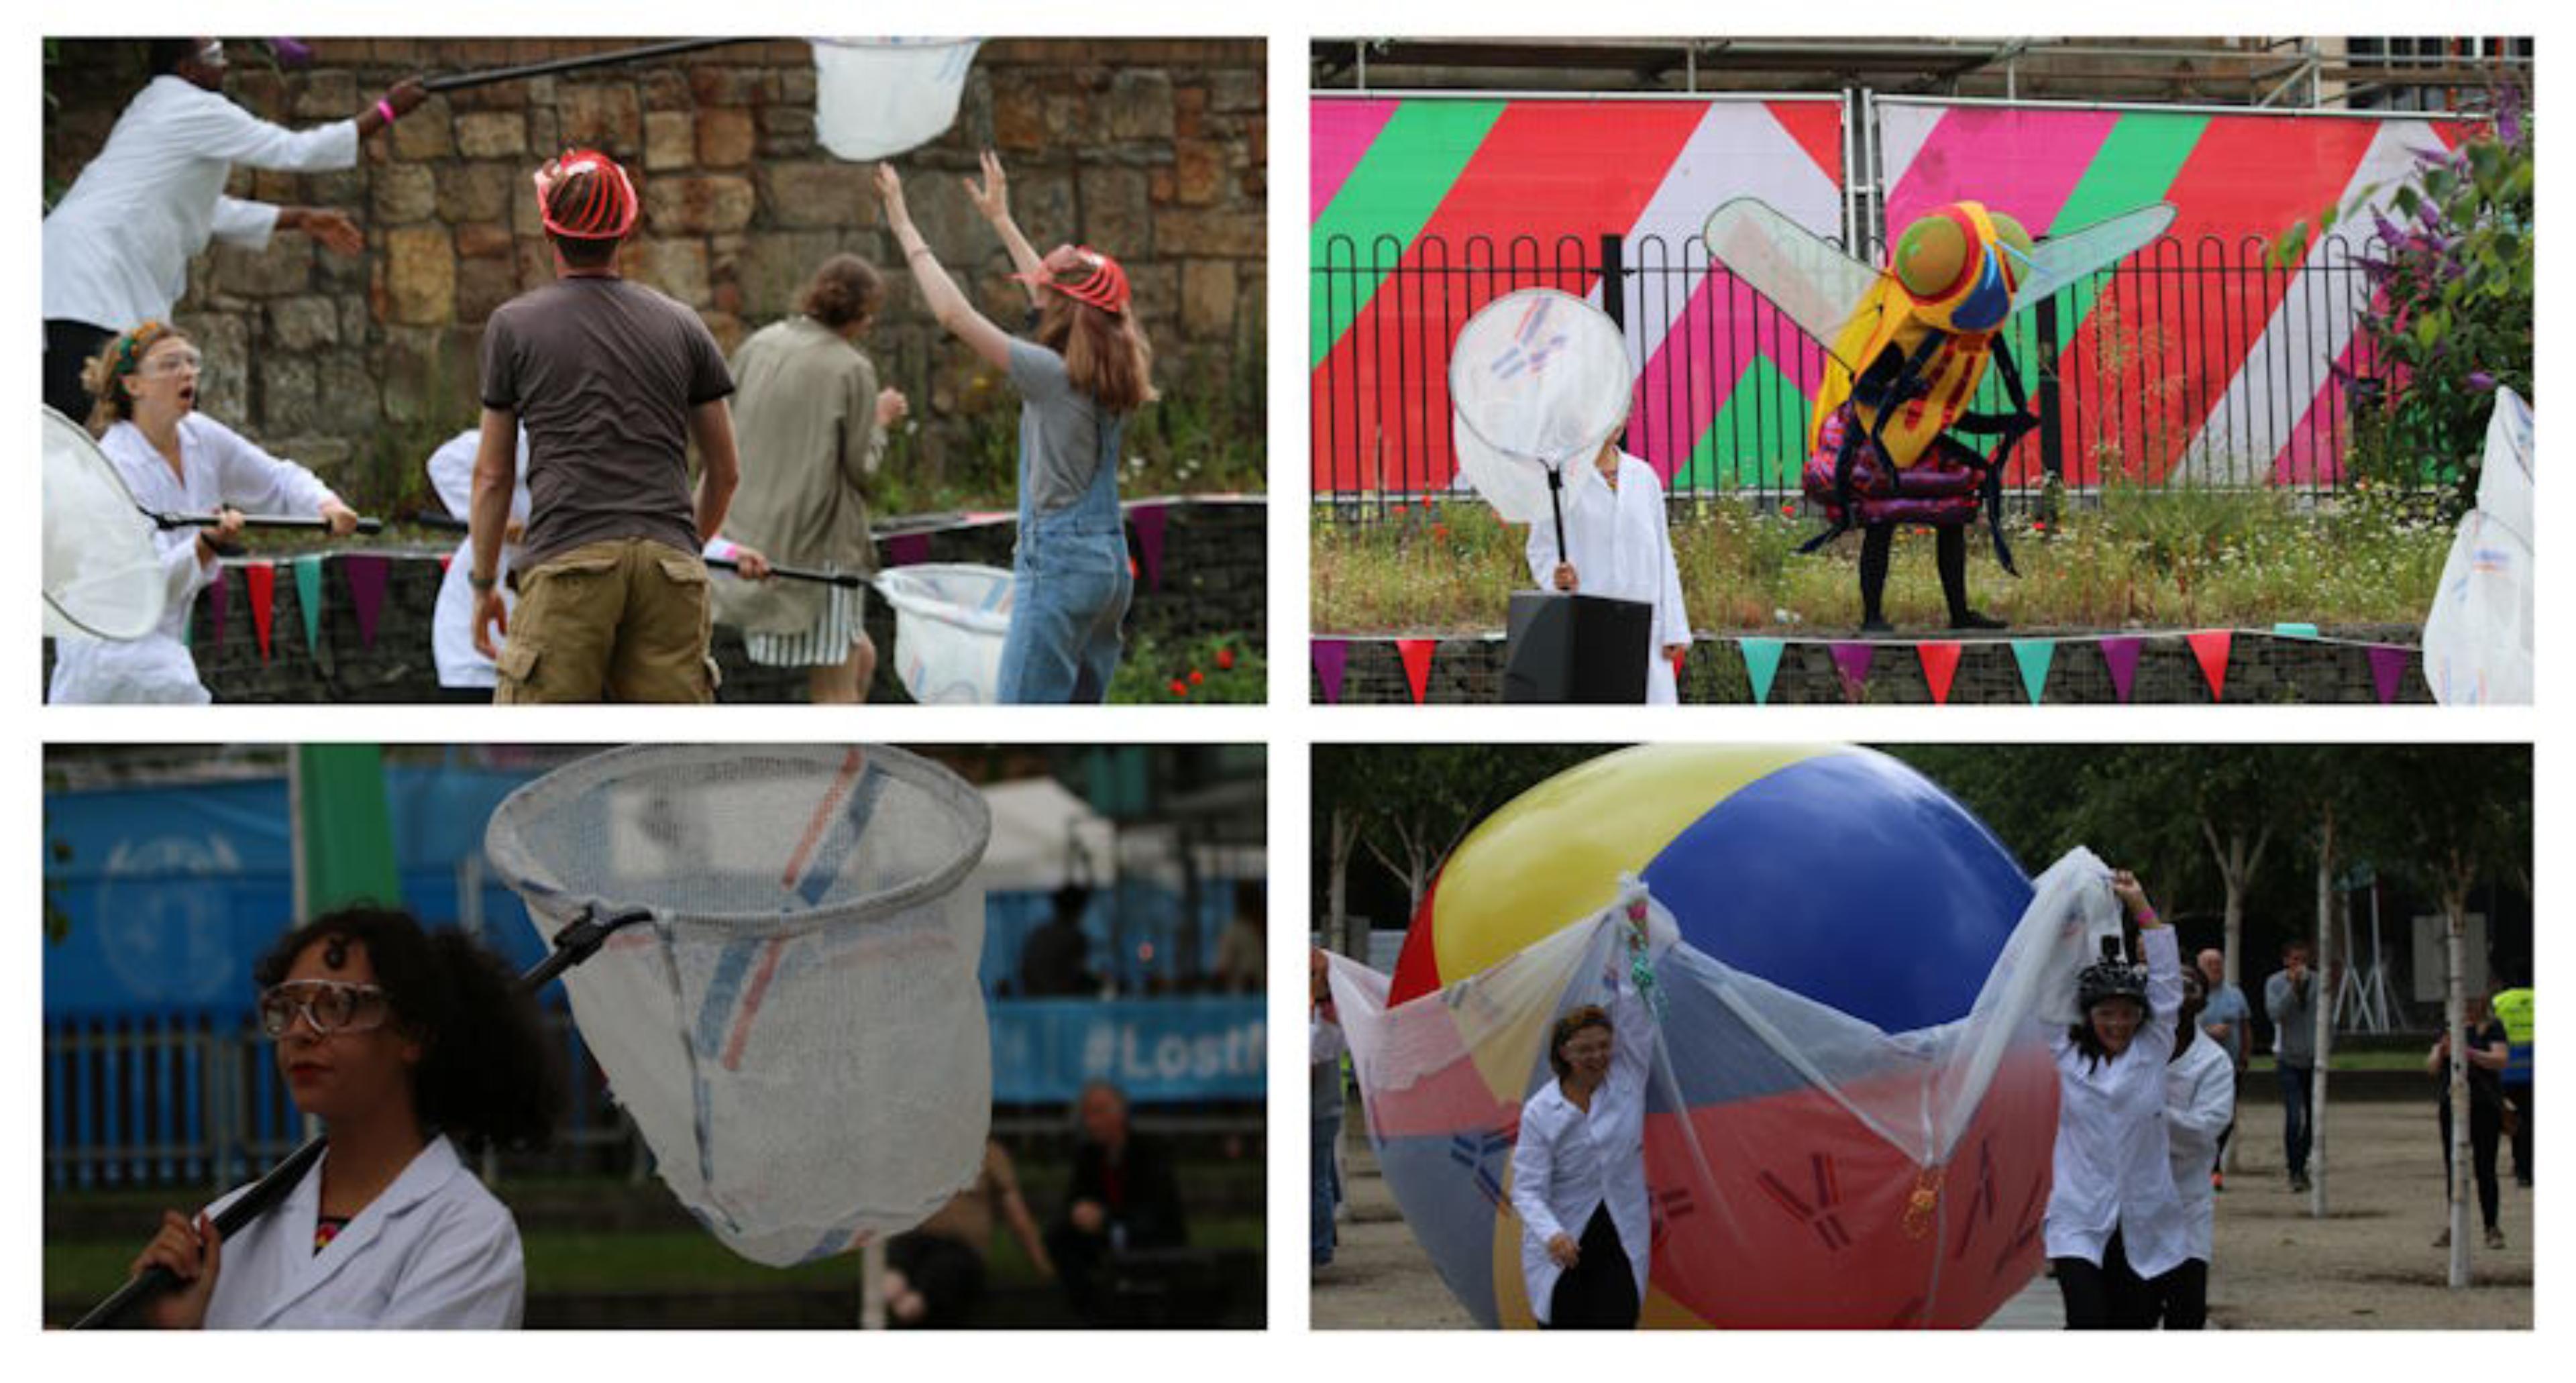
<point>328,95</point>
<point>426,133</point>
<point>698,205</point>
<point>1208,296</point>
<point>676,266</point>
<point>223,340</point>
<point>302,323</point>
<point>771,270</point>
<point>1139,105</point>
<point>1237,90</point>
<point>286,266</point>
<point>483,285</point>
<point>1223,234</point>
<point>420,276</point>
<point>403,193</point>
<point>480,191</point>
<point>725,137</point>
<point>287,390</point>
<point>426,370</point>
<point>1116,211</point>
<point>485,240</point>
<point>804,195</point>
<point>492,134</point>
<point>1019,118</point>
<point>607,116</point>
<point>670,140</point>
<point>1198,172</point>
<point>347,401</point>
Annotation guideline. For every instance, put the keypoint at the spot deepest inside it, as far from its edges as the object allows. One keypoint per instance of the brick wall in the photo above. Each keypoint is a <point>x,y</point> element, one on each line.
<point>1152,149</point>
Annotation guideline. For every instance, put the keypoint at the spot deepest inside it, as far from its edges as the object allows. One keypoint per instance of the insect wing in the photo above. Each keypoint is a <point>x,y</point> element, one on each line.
<point>2061,260</point>
<point>1806,276</point>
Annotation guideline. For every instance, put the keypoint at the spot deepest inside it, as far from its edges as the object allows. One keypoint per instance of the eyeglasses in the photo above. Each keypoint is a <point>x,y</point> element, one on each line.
<point>171,363</point>
<point>329,1006</point>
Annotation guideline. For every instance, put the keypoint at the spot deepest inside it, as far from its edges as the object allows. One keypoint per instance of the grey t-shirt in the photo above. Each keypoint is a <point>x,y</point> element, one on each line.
<point>602,374</point>
<point>1061,429</point>
<point>2293,1010</point>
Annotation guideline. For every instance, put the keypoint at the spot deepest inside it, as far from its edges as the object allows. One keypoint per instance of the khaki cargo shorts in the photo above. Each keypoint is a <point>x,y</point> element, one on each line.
<point>627,619</point>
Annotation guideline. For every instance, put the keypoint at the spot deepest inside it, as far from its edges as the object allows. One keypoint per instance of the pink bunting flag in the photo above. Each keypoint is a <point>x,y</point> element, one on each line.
<point>2388,668</point>
<point>261,577</point>
<point>907,549</point>
<point>216,608</point>
<point>1940,666</point>
<point>1416,654</point>
<point>2210,647</point>
<point>1149,520</point>
<point>1330,657</point>
<point>367,577</point>
<point>2121,656</point>
<point>1853,660</point>
<point>445,560</point>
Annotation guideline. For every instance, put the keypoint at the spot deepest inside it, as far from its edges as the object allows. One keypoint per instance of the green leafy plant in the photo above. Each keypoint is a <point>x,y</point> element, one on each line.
<point>1216,668</point>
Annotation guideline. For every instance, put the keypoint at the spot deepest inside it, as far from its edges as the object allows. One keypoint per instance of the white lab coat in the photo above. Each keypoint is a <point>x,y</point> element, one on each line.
<point>1568,1162</point>
<point>451,625</point>
<point>218,467</point>
<point>116,247</point>
<point>2200,1102</point>
<point>1622,549</point>
<point>435,1251</point>
<point>2113,1168</point>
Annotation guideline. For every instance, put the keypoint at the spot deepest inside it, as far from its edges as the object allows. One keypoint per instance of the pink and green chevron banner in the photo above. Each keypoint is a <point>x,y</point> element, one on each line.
<point>2193,361</point>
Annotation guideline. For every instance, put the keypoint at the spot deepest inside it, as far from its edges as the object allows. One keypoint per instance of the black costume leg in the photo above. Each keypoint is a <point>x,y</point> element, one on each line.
<point>1876,542</point>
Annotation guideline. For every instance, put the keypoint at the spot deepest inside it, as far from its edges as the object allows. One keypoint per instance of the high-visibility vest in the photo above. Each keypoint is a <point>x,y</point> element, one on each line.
<point>2513,1009</point>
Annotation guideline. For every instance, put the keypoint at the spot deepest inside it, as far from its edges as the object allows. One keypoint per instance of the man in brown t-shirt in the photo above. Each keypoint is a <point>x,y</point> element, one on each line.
<point>612,381</point>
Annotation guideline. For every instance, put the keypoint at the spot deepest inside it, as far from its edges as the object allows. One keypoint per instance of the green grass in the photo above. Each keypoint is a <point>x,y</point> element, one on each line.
<point>2140,557</point>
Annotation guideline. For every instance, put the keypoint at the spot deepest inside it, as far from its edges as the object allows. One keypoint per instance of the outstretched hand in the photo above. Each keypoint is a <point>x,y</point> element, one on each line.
<point>890,192</point>
<point>992,198</point>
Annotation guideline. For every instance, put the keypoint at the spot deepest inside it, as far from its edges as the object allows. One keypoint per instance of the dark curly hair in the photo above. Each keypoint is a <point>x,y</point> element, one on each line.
<point>488,1074</point>
<point>844,289</point>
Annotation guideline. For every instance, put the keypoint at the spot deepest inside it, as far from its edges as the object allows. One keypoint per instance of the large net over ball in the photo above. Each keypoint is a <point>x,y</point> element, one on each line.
<point>798,1031</point>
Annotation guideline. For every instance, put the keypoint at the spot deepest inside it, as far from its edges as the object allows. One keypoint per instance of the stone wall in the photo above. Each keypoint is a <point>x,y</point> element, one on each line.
<point>1155,150</point>
<point>2262,669</point>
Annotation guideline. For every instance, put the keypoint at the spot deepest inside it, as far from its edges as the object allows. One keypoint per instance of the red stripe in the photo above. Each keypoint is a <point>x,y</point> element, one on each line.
<point>851,766</point>
<point>751,998</point>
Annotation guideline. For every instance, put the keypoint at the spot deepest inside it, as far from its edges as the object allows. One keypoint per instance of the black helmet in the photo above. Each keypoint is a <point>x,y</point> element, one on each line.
<point>2110,979</point>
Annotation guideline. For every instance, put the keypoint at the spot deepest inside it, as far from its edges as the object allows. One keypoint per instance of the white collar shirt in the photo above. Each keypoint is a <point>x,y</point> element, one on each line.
<point>1622,548</point>
<point>2112,1171</point>
<point>1567,1161</point>
<point>2200,1102</point>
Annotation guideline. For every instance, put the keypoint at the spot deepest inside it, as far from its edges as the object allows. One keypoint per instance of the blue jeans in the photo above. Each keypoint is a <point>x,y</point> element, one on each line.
<point>1324,1188</point>
<point>1069,592</point>
<point>2298,1084</point>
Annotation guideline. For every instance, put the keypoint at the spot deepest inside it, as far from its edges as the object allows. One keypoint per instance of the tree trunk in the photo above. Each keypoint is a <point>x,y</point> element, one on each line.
<point>1345,831</point>
<point>2455,1017</point>
<point>2324,989</point>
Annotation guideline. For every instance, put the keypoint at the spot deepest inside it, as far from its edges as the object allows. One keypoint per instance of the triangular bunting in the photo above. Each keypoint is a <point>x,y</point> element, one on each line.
<point>2388,668</point>
<point>2033,657</point>
<point>218,605</point>
<point>2294,631</point>
<point>308,599</point>
<point>1680,651</point>
<point>261,578</point>
<point>1416,654</point>
<point>1330,656</point>
<point>445,560</point>
<point>1940,665</point>
<point>907,549</point>
<point>1852,660</point>
<point>2210,647</point>
<point>2121,656</point>
<point>1149,520</point>
<point>368,573</point>
<point>1761,664</point>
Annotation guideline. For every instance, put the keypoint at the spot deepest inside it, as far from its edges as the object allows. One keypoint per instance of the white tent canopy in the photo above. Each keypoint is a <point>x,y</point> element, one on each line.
<point>1038,829</point>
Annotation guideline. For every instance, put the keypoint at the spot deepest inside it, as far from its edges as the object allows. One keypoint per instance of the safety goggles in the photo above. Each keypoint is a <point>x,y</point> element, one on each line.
<point>170,363</point>
<point>328,1006</point>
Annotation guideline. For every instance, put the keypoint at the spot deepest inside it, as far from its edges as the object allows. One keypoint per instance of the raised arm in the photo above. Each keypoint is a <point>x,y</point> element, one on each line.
<point>2164,961</point>
<point>993,200</point>
<point>939,292</point>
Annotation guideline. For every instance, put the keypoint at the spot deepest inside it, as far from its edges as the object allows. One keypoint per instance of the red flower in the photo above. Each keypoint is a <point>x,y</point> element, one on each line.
<point>1440,531</point>
<point>1225,659</point>
<point>1179,687</point>
<point>1788,510</point>
<point>1197,677</point>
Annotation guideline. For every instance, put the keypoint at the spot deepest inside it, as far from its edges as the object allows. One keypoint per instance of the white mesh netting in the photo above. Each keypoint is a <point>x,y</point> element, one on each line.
<point>950,619</point>
<point>798,1031</point>
<point>102,573</point>
<point>1537,379</point>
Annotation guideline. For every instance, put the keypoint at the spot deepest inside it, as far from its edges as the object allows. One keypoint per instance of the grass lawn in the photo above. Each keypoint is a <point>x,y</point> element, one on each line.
<point>2138,558</point>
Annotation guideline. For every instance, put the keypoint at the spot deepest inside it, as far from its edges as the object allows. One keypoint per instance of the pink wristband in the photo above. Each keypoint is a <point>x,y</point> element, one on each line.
<point>385,108</point>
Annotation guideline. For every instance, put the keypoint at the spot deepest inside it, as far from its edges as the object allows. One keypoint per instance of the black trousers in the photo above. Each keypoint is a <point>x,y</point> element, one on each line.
<point>1600,1291</point>
<point>1949,558</point>
<point>2109,1296</point>
<point>2486,1133</point>
<point>948,1274</point>
<point>2182,1296</point>
<point>2521,1097</point>
<point>69,346</point>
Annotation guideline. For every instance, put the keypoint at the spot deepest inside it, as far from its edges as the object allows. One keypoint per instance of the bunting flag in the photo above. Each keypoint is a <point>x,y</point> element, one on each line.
<point>261,578</point>
<point>2033,657</point>
<point>1680,650</point>
<point>1761,663</point>
<point>308,599</point>
<point>1149,520</point>
<point>2210,647</point>
<point>343,848</point>
<point>2388,669</point>
<point>1417,665</point>
<point>445,560</point>
<point>1330,656</point>
<point>368,573</point>
<point>1940,664</point>
<point>2294,631</point>
<point>1852,660</point>
<point>2121,656</point>
<point>907,549</point>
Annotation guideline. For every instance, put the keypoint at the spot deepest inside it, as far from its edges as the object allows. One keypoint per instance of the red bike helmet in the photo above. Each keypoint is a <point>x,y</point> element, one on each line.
<point>604,207</point>
<point>1084,275</point>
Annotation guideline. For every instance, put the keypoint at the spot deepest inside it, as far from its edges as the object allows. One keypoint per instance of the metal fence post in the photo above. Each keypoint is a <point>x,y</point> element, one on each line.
<point>1614,279</point>
<point>2052,444</point>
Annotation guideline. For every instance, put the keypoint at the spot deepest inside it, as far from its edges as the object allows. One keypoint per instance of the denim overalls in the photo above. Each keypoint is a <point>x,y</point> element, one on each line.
<point>1069,590</point>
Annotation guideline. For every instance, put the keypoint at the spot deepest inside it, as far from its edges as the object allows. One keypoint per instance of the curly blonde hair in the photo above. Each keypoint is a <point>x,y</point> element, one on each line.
<point>104,374</point>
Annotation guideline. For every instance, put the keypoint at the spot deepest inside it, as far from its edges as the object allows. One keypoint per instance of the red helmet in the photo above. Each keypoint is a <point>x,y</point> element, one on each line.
<point>606,211</point>
<point>1084,275</point>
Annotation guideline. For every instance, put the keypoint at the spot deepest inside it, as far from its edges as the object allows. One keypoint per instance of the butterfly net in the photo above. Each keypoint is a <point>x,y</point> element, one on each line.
<point>878,97</point>
<point>949,623</point>
<point>798,1031</point>
<point>1537,379</point>
<point>102,572</point>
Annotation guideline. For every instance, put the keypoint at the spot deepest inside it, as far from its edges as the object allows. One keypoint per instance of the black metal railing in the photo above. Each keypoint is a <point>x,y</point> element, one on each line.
<point>2163,384</point>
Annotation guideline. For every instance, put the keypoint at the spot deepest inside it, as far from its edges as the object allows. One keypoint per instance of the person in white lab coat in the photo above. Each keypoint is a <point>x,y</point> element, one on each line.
<point>2200,1104</point>
<point>116,247</point>
<point>403,1043</point>
<point>1620,547</point>
<point>1579,1167</point>
<point>2113,1222</point>
<point>462,666</point>
<point>174,460</point>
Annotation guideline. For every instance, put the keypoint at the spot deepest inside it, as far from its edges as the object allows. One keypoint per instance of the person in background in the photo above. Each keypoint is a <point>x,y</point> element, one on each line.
<point>2290,1000</point>
<point>1123,1197</point>
<point>1242,962</point>
<point>2513,1009</point>
<point>2200,1106</point>
<point>2226,1019</point>
<point>462,668</point>
<point>1324,1048</point>
<point>2486,1051</point>
<point>935,1272</point>
<point>117,246</point>
<point>1054,959</point>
